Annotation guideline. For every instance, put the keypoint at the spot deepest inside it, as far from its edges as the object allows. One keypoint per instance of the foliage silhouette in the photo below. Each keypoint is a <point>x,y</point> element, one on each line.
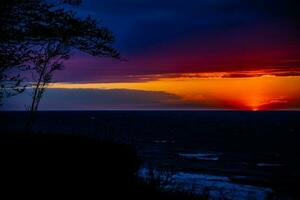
<point>35,34</point>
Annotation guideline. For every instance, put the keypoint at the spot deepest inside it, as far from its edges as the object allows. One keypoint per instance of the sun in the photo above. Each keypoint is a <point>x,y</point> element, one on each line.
<point>255,109</point>
<point>255,103</point>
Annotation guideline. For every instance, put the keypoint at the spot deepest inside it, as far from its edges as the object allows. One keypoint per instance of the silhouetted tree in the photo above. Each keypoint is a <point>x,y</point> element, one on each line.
<point>38,35</point>
<point>46,60</point>
<point>13,46</point>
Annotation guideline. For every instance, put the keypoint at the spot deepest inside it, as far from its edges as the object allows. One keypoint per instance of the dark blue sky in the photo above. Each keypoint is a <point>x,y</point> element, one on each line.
<point>201,35</point>
<point>141,24</point>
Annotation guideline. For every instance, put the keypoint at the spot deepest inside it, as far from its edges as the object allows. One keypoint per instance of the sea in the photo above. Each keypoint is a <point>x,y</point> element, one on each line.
<point>233,154</point>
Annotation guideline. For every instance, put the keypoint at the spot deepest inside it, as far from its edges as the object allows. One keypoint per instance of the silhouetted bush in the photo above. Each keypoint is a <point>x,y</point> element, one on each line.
<point>69,166</point>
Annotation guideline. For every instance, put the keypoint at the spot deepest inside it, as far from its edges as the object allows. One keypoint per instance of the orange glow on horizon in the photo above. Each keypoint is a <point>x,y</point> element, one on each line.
<point>245,93</point>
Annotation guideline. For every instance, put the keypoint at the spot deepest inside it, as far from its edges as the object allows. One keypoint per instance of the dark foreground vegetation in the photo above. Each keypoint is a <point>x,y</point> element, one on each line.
<point>52,166</point>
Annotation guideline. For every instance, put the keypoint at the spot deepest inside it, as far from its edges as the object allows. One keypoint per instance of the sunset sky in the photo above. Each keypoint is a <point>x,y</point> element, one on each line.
<point>208,54</point>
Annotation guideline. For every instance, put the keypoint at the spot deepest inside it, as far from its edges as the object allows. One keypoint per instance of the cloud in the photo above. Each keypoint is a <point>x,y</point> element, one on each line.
<point>279,102</point>
<point>91,99</point>
<point>186,91</point>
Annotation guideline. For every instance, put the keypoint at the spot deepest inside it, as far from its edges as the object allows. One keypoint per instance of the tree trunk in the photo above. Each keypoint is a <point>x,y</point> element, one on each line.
<point>35,101</point>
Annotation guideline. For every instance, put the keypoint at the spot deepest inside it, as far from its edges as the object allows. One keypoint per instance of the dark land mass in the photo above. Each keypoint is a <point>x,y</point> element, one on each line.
<point>47,166</point>
<point>249,144</point>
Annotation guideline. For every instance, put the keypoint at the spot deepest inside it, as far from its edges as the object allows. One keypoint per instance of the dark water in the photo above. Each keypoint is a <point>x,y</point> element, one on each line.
<point>251,148</point>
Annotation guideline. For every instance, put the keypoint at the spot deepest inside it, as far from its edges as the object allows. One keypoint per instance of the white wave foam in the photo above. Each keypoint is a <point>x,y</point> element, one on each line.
<point>215,186</point>
<point>269,165</point>
<point>201,156</point>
